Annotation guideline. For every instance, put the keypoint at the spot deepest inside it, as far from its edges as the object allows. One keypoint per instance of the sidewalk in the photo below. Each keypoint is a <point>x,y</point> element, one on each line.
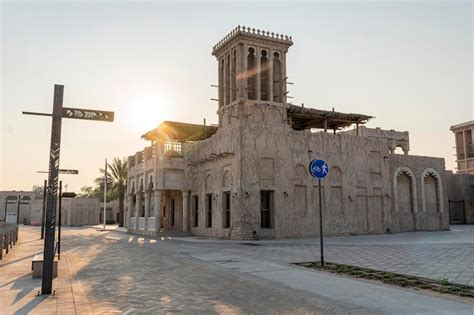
<point>17,287</point>
<point>355,295</point>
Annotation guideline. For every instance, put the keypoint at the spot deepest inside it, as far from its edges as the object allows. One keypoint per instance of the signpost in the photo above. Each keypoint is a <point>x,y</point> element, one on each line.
<point>58,113</point>
<point>63,171</point>
<point>319,169</point>
<point>88,114</point>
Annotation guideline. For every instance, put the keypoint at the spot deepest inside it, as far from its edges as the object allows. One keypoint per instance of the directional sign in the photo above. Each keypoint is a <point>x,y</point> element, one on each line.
<point>318,169</point>
<point>87,114</point>
<point>73,172</point>
<point>63,171</point>
<point>69,195</point>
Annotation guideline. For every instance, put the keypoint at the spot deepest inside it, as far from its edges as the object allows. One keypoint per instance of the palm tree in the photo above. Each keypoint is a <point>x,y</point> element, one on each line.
<point>117,179</point>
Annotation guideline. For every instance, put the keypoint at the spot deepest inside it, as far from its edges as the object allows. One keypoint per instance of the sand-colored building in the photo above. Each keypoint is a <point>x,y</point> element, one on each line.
<point>464,140</point>
<point>80,211</point>
<point>461,184</point>
<point>248,176</point>
<point>14,202</point>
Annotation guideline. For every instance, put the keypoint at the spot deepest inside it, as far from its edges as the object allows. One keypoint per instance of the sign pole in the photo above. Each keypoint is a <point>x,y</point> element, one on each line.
<point>18,211</point>
<point>50,216</point>
<point>321,223</point>
<point>320,169</point>
<point>42,212</point>
<point>50,225</point>
<point>105,192</point>
<point>59,223</point>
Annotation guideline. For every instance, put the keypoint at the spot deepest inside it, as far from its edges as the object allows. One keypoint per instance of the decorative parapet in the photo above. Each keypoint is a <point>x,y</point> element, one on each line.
<point>255,33</point>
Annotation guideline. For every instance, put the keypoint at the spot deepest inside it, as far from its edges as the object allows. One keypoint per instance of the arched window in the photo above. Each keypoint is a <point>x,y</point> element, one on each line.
<point>141,185</point>
<point>264,79</point>
<point>233,79</point>
<point>208,183</point>
<point>432,191</point>
<point>300,190</point>
<point>404,184</point>
<point>251,75</point>
<point>226,180</point>
<point>276,77</point>
<point>221,83</point>
<point>151,185</point>
<point>227,80</point>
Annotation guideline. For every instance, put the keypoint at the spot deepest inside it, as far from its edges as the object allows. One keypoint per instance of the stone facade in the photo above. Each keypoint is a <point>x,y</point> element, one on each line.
<point>80,211</point>
<point>464,140</point>
<point>9,205</point>
<point>461,198</point>
<point>248,178</point>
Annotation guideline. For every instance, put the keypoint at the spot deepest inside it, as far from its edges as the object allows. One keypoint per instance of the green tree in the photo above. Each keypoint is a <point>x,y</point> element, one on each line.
<point>38,190</point>
<point>117,173</point>
<point>89,192</point>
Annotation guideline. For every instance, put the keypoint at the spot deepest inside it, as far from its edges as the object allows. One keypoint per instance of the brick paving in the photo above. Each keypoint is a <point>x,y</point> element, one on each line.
<point>112,272</point>
<point>434,255</point>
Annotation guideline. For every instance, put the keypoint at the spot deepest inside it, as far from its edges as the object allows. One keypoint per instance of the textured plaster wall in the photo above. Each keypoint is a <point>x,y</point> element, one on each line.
<point>431,219</point>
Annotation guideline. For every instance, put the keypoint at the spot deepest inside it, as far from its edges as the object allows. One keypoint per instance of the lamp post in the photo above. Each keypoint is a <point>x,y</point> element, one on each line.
<point>18,210</point>
<point>105,193</point>
<point>6,205</point>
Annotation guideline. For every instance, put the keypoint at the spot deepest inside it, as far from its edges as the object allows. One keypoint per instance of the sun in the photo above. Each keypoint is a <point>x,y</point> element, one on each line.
<point>148,111</point>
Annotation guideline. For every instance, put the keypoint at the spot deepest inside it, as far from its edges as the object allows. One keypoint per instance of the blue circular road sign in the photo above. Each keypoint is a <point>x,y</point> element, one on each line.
<point>318,168</point>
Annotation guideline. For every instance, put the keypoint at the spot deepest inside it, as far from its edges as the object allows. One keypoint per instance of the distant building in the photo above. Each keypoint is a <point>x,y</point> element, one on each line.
<point>464,139</point>
<point>112,215</point>
<point>80,211</point>
<point>9,205</point>
<point>248,177</point>
<point>461,184</point>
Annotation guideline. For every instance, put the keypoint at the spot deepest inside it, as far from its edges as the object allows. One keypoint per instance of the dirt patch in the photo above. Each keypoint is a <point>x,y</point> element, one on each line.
<point>442,286</point>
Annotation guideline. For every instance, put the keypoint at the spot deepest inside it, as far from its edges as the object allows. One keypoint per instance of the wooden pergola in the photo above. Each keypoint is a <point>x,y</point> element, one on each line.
<point>181,132</point>
<point>301,118</point>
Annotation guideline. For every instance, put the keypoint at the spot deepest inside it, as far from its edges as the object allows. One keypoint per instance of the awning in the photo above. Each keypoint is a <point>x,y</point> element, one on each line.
<point>180,132</point>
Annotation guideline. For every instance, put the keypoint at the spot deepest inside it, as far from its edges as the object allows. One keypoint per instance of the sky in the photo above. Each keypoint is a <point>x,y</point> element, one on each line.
<point>409,64</point>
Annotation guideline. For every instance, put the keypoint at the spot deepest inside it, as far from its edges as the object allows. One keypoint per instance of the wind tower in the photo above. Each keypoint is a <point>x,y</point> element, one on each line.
<point>251,74</point>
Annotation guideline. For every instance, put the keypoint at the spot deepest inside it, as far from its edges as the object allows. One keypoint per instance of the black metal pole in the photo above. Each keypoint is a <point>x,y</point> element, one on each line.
<point>44,205</point>
<point>48,257</point>
<point>59,219</point>
<point>321,223</point>
<point>18,211</point>
<point>6,205</point>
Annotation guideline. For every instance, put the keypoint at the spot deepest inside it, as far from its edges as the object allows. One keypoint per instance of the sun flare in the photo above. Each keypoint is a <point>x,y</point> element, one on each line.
<point>148,111</point>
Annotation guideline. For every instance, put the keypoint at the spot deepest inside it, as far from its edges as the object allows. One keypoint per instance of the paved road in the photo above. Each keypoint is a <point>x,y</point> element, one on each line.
<point>112,272</point>
<point>435,255</point>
